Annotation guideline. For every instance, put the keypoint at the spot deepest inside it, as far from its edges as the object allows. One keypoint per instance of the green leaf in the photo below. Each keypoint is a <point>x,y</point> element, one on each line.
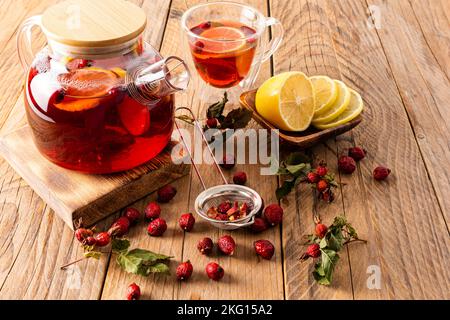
<point>323,243</point>
<point>216,110</point>
<point>130,264</point>
<point>285,189</point>
<point>297,158</point>
<point>120,245</point>
<point>335,241</point>
<point>159,268</point>
<point>147,256</point>
<point>93,254</point>
<point>236,119</point>
<point>329,260</point>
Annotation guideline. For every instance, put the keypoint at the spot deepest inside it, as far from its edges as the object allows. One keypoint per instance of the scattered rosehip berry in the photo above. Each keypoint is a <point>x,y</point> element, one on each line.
<point>327,196</point>
<point>152,211</point>
<point>82,234</point>
<point>228,162</point>
<point>184,271</point>
<point>259,226</point>
<point>313,177</point>
<point>187,222</point>
<point>264,249</point>
<point>321,230</point>
<point>90,241</point>
<point>357,153</point>
<point>381,173</point>
<point>167,193</point>
<point>313,251</point>
<point>322,186</point>
<point>346,164</point>
<point>240,178</point>
<point>224,207</point>
<point>226,245</point>
<point>132,214</point>
<point>214,271</point>
<point>212,123</point>
<point>102,239</point>
<point>273,214</point>
<point>133,292</point>
<point>205,246</point>
<point>120,227</point>
<point>157,227</point>
<point>322,171</point>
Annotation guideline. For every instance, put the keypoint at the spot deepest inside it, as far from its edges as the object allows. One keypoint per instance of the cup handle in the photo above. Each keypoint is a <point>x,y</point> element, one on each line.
<point>277,37</point>
<point>24,44</point>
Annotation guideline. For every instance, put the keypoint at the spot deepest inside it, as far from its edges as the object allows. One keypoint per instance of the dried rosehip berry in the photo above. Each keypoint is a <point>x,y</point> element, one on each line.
<point>167,193</point>
<point>157,227</point>
<point>90,241</point>
<point>346,164</point>
<point>264,249</point>
<point>224,207</point>
<point>322,186</point>
<point>222,217</point>
<point>321,230</point>
<point>214,271</point>
<point>82,234</point>
<point>357,153</point>
<point>152,211</point>
<point>228,162</point>
<point>212,123</point>
<point>205,246</point>
<point>187,222</point>
<point>120,227</point>
<point>199,46</point>
<point>273,214</point>
<point>313,177</point>
<point>226,245</point>
<point>260,225</point>
<point>240,178</point>
<point>184,271</point>
<point>327,196</point>
<point>77,64</point>
<point>381,173</point>
<point>313,251</point>
<point>102,239</point>
<point>322,171</point>
<point>133,292</point>
<point>205,25</point>
<point>133,215</point>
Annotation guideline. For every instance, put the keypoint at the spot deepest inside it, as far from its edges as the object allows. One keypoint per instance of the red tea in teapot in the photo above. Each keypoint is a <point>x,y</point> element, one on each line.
<point>84,118</point>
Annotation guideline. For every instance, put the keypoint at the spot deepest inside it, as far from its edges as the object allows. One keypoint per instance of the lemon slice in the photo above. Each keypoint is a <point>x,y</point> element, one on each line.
<point>326,93</point>
<point>223,40</point>
<point>338,106</point>
<point>287,101</point>
<point>354,109</point>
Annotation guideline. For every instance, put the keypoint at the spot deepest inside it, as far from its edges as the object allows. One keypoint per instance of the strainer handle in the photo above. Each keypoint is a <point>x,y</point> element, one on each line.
<point>198,127</point>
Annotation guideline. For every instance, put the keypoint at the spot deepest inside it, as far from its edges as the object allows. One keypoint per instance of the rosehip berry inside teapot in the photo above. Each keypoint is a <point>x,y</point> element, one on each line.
<point>98,98</point>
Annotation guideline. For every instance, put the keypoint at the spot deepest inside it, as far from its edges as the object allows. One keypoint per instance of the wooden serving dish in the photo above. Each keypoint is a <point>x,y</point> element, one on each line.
<point>303,139</point>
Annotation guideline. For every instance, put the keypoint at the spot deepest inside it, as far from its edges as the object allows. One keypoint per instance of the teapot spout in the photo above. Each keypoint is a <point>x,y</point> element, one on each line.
<point>148,84</point>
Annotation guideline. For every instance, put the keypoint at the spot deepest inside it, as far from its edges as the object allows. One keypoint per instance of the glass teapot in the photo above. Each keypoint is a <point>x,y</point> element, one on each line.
<point>98,98</point>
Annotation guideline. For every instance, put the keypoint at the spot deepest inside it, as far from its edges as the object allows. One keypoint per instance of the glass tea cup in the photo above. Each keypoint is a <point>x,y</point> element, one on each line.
<point>226,42</point>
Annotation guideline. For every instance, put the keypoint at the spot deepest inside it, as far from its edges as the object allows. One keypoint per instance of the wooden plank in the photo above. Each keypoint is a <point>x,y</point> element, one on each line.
<point>400,217</point>
<point>38,247</point>
<point>308,47</point>
<point>419,71</point>
<point>265,280</point>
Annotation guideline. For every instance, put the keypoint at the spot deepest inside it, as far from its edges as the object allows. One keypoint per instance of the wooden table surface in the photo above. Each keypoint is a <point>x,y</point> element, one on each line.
<point>398,58</point>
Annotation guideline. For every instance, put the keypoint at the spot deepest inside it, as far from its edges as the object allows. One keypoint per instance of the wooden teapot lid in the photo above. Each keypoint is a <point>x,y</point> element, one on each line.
<point>93,23</point>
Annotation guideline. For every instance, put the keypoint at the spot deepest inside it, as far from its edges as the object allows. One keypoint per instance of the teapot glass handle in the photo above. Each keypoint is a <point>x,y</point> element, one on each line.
<point>24,45</point>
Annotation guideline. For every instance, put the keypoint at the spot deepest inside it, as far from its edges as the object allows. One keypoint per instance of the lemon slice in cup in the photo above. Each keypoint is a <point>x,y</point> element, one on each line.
<point>326,92</point>
<point>354,109</point>
<point>287,101</point>
<point>222,40</point>
<point>338,106</point>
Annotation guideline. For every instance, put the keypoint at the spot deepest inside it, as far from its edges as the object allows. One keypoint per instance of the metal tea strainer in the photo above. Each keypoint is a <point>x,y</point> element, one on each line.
<point>215,195</point>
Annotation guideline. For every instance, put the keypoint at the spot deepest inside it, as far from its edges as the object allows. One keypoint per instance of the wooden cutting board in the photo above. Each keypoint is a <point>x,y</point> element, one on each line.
<point>73,195</point>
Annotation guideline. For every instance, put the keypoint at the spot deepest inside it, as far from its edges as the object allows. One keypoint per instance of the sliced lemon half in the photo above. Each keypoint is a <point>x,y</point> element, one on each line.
<point>338,106</point>
<point>287,101</point>
<point>325,91</point>
<point>353,110</point>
